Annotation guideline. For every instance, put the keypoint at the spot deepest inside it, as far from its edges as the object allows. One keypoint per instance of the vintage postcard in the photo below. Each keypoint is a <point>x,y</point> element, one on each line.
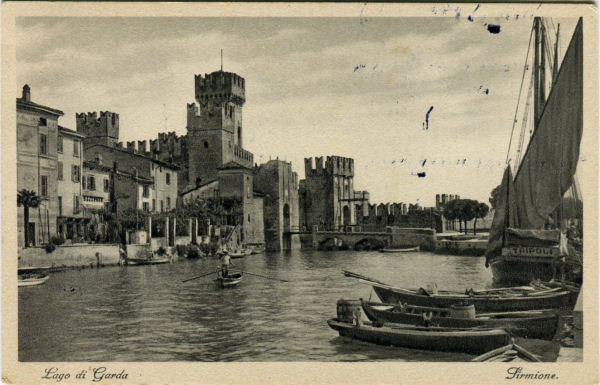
<point>221,193</point>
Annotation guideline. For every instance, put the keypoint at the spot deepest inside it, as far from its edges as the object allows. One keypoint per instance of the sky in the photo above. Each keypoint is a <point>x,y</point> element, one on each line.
<point>356,87</point>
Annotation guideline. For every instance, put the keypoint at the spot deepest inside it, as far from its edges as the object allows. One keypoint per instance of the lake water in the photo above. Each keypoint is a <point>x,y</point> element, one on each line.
<point>146,313</point>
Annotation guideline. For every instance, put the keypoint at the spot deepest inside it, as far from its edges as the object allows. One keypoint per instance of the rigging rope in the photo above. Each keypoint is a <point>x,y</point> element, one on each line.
<point>524,125</point>
<point>519,98</point>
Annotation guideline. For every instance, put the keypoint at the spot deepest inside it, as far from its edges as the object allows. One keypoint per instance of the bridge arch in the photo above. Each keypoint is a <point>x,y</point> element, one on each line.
<point>333,243</point>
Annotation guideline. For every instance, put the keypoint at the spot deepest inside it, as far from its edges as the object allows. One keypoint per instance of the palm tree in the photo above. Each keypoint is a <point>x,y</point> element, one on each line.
<point>27,199</point>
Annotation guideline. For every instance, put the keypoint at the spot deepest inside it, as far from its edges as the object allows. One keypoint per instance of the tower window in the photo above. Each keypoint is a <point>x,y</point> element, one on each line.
<point>205,144</point>
<point>43,144</point>
<point>168,178</point>
<point>59,144</point>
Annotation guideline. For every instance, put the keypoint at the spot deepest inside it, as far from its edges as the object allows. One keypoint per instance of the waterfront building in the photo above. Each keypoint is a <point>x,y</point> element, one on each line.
<point>71,218</point>
<point>37,170</point>
<point>327,197</point>
<point>279,184</point>
<point>211,156</point>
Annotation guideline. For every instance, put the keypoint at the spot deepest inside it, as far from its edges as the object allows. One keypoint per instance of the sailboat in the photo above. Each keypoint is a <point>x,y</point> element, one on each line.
<point>528,237</point>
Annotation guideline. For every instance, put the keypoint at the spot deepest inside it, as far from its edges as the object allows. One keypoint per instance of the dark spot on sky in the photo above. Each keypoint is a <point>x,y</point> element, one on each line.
<point>493,28</point>
<point>427,118</point>
<point>424,161</point>
<point>421,174</point>
<point>476,8</point>
<point>470,19</point>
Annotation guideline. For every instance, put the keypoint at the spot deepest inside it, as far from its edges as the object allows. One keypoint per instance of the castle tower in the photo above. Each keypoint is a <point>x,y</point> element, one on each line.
<point>215,125</point>
<point>98,130</point>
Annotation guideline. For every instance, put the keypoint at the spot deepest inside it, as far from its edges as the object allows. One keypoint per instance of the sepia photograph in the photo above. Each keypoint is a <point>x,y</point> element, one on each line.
<point>241,187</point>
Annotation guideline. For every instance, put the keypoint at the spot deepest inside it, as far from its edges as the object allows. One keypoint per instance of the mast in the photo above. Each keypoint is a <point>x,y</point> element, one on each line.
<point>542,68</point>
<point>555,66</point>
<point>536,72</point>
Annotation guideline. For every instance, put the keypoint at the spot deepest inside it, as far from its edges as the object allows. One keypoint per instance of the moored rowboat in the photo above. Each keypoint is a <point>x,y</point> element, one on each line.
<point>540,324</point>
<point>148,261</point>
<point>32,279</point>
<point>508,353</point>
<point>473,341</point>
<point>490,302</point>
<point>404,250</point>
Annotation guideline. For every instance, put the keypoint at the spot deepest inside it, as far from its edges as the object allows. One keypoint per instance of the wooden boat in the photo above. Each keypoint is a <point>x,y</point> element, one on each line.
<point>528,237</point>
<point>237,254</point>
<point>257,250</point>
<point>406,250</point>
<point>148,261</point>
<point>32,279</point>
<point>509,353</point>
<point>231,280</point>
<point>540,324</point>
<point>489,302</point>
<point>473,341</point>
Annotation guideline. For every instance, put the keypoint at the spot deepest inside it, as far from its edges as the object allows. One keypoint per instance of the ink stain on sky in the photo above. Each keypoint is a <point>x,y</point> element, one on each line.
<point>493,28</point>
<point>421,174</point>
<point>470,19</point>
<point>426,125</point>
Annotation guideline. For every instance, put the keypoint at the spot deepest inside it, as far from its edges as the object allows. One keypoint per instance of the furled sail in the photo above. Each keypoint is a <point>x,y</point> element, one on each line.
<point>547,169</point>
<point>503,218</point>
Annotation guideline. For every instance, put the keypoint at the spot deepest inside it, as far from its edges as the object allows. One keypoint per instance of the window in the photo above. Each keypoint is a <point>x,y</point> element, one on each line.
<point>59,207</point>
<point>75,173</point>
<point>60,171</point>
<point>161,206</point>
<point>59,144</point>
<point>205,144</point>
<point>98,158</point>
<point>146,206</point>
<point>145,191</point>
<point>106,185</point>
<point>43,122</point>
<point>75,148</point>
<point>248,217</point>
<point>153,204</point>
<point>168,203</point>
<point>83,182</point>
<point>43,144</point>
<point>168,178</point>
<point>75,204</point>
<point>92,183</point>
<point>44,186</point>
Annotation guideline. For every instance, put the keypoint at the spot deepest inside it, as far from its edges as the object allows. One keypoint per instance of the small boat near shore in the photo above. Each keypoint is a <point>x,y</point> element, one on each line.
<point>509,353</point>
<point>403,250</point>
<point>148,261</point>
<point>237,254</point>
<point>231,280</point>
<point>32,279</point>
<point>473,341</point>
<point>490,300</point>
<point>541,324</point>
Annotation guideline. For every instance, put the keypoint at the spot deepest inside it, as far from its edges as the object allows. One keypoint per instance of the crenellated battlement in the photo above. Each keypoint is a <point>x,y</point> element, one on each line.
<point>220,87</point>
<point>442,199</point>
<point>98,129</point>
<point>243,156</point>
<point>334,165</point>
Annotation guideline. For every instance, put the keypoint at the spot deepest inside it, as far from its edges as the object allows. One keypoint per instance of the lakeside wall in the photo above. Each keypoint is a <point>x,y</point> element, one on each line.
<point>77,255</point>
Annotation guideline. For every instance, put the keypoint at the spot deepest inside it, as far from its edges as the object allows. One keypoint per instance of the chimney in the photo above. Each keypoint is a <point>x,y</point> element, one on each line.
<point>26,93</point>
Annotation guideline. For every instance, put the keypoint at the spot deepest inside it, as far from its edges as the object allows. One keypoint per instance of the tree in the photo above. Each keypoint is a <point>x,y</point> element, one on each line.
<point>481,210</point>
<point>27,199</point>
<point>494,196</point>
<point>464,210</point>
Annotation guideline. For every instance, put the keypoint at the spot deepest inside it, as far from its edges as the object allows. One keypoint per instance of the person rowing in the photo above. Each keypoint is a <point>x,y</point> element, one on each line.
<point>226,261</point>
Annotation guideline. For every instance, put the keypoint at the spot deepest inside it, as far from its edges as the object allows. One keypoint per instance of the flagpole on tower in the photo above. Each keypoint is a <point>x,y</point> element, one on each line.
<point>221,59</point>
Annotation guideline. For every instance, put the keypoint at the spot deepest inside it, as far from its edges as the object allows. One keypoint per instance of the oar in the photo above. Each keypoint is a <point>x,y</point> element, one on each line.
<point>264,276</point>
<point>200,276</point>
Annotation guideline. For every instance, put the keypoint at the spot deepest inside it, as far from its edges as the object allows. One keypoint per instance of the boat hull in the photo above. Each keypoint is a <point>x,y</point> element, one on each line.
<point>33,281</point>
<point>482,303</point>
<point>232,280</point>
<point>520,271</point>
<point>147,261</point>
<point>540,326</point>
<point>463,341</point>
<point>406,250</point>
